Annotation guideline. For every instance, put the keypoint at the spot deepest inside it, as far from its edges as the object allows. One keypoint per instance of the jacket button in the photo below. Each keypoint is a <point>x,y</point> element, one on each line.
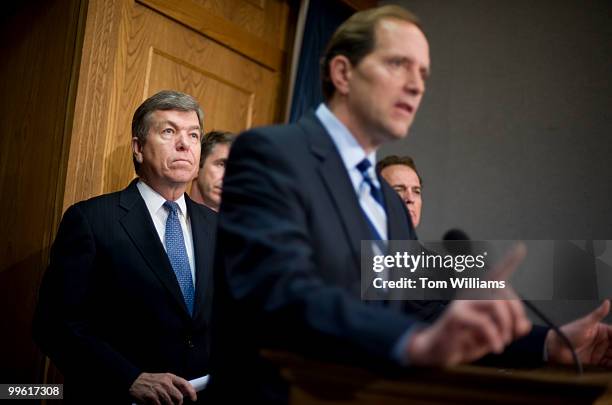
<point>189,342</point>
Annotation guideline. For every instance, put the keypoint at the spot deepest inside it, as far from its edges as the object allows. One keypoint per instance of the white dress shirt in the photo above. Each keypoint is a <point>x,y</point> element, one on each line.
<point>155,204</point>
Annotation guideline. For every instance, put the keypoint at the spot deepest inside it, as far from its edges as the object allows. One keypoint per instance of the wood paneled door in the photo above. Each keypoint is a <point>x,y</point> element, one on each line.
<point>231,55</point>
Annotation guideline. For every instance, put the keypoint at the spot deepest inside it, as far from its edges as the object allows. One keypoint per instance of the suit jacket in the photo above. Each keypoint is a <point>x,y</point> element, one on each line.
<point>110,306</point>
<point>288,264</point>
<point>290,228</point>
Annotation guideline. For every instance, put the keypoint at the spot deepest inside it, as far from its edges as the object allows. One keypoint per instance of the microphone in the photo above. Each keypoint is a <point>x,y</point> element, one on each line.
<point>458,234</point>
<point>455,234</point>
<point>558,331</point>
<point>457,242</point>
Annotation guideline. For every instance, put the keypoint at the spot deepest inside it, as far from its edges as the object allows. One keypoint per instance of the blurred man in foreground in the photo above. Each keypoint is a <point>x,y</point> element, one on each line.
<point>299,199</point>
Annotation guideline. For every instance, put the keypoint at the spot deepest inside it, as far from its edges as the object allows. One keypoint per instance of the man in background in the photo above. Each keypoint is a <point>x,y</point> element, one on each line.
<point>124,307</point>
<point>402,175</point>
<point>206,189</point>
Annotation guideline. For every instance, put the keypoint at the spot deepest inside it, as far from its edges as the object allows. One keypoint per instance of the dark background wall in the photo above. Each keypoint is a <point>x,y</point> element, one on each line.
<point>514,136</point>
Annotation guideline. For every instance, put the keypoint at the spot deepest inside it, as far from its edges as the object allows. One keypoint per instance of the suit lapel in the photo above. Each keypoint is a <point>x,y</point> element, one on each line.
<point>202,229</point>
<point>338,185</point>
<point>139,226</point>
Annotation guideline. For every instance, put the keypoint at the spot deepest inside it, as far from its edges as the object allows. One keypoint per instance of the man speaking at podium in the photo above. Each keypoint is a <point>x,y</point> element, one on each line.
<point>297,202</point>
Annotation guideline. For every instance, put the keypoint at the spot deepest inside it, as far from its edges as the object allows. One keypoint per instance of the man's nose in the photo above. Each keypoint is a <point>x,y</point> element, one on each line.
<point>182,141</point>
<point>409,197</point>
<point>415,83</point>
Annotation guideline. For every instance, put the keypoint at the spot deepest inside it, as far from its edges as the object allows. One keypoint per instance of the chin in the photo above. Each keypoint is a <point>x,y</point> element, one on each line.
<point>182,178</point>
<point>399,132</point>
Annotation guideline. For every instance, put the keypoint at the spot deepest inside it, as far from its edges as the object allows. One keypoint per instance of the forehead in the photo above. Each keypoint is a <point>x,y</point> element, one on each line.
<point>220,149</point>
<point>399,36</point>
<point>181,118</point>
<point>401,174</point>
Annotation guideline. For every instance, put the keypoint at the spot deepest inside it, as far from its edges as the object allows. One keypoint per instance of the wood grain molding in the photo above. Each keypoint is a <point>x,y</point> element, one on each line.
<point>85,163</point>
<point>261,4</point>
<point>219,29</point>
<point>200,79</point>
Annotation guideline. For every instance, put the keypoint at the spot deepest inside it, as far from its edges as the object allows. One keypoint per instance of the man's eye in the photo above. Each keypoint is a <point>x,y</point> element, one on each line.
<point>168,131</point>
<point>417,191</point>
<point>195,135</point>
<point>396,62</point>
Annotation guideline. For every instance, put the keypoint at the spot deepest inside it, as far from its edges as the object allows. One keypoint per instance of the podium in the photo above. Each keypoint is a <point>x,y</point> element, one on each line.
<point>315,382</point>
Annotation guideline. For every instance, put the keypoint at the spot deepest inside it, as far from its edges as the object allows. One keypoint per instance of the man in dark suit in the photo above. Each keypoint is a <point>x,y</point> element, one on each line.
<point>298,201</point>
<point>124,306</point>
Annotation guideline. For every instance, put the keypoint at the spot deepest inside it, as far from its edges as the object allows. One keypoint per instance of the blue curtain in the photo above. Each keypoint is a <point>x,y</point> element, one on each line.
<point>323,18</point>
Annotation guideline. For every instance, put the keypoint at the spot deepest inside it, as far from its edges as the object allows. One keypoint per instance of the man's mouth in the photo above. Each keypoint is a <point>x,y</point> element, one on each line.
<point>405,107</point>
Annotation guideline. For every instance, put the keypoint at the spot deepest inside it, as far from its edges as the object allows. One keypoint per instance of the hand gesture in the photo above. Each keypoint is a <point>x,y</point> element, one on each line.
<point>591,338</point>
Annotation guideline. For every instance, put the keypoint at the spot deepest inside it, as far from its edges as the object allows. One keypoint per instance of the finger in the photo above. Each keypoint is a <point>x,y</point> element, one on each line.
<point>175,394</point>
<point>499,311</point>
<point>520,323</point>
<point>509,263</point>
<point>152,398</point>
<point>185,387</point>
<point>598,314</point>
<point>162,395</point>
<point>480,328</point>
<point>472,350</point>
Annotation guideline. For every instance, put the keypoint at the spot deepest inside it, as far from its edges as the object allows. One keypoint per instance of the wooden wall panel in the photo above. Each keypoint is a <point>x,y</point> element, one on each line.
<point>38,70</point>
<point>92,113</point>
<point>221,30</point>
<point>156,47</point>
<point>134,48</point>
<point>230,106</point>
<point>266,19</point>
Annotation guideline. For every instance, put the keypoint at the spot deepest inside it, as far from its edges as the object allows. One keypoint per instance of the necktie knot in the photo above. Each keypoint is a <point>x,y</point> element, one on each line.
<point>372,202</point>
<point>171,206</point>
<point>364,166</point>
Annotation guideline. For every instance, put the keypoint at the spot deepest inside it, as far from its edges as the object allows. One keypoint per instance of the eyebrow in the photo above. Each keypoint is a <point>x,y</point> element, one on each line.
<point>175,125</point>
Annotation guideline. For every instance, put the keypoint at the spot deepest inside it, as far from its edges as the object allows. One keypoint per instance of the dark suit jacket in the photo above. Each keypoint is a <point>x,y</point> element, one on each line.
<point>289,237</point>
<point>110,306</point>
<point>291,229</point>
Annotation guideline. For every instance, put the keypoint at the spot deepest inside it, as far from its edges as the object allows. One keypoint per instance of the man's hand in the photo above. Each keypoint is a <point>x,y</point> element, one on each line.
<point>467,331</point>
<point>161,388</point>
<point>470,329</point>
<point>591,338</point>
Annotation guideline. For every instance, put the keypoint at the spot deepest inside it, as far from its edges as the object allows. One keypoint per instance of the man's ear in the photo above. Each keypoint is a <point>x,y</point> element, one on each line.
<point>137,149</point>
<point>340,70</point>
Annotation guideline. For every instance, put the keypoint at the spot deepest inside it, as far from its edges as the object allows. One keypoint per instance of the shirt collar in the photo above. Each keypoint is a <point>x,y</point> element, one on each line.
<point>155,201</point>
<point>350,151</point>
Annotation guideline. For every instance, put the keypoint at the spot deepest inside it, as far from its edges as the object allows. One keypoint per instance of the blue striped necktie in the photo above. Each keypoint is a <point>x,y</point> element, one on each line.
<point>175,247</point>
<point>372,203</point>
